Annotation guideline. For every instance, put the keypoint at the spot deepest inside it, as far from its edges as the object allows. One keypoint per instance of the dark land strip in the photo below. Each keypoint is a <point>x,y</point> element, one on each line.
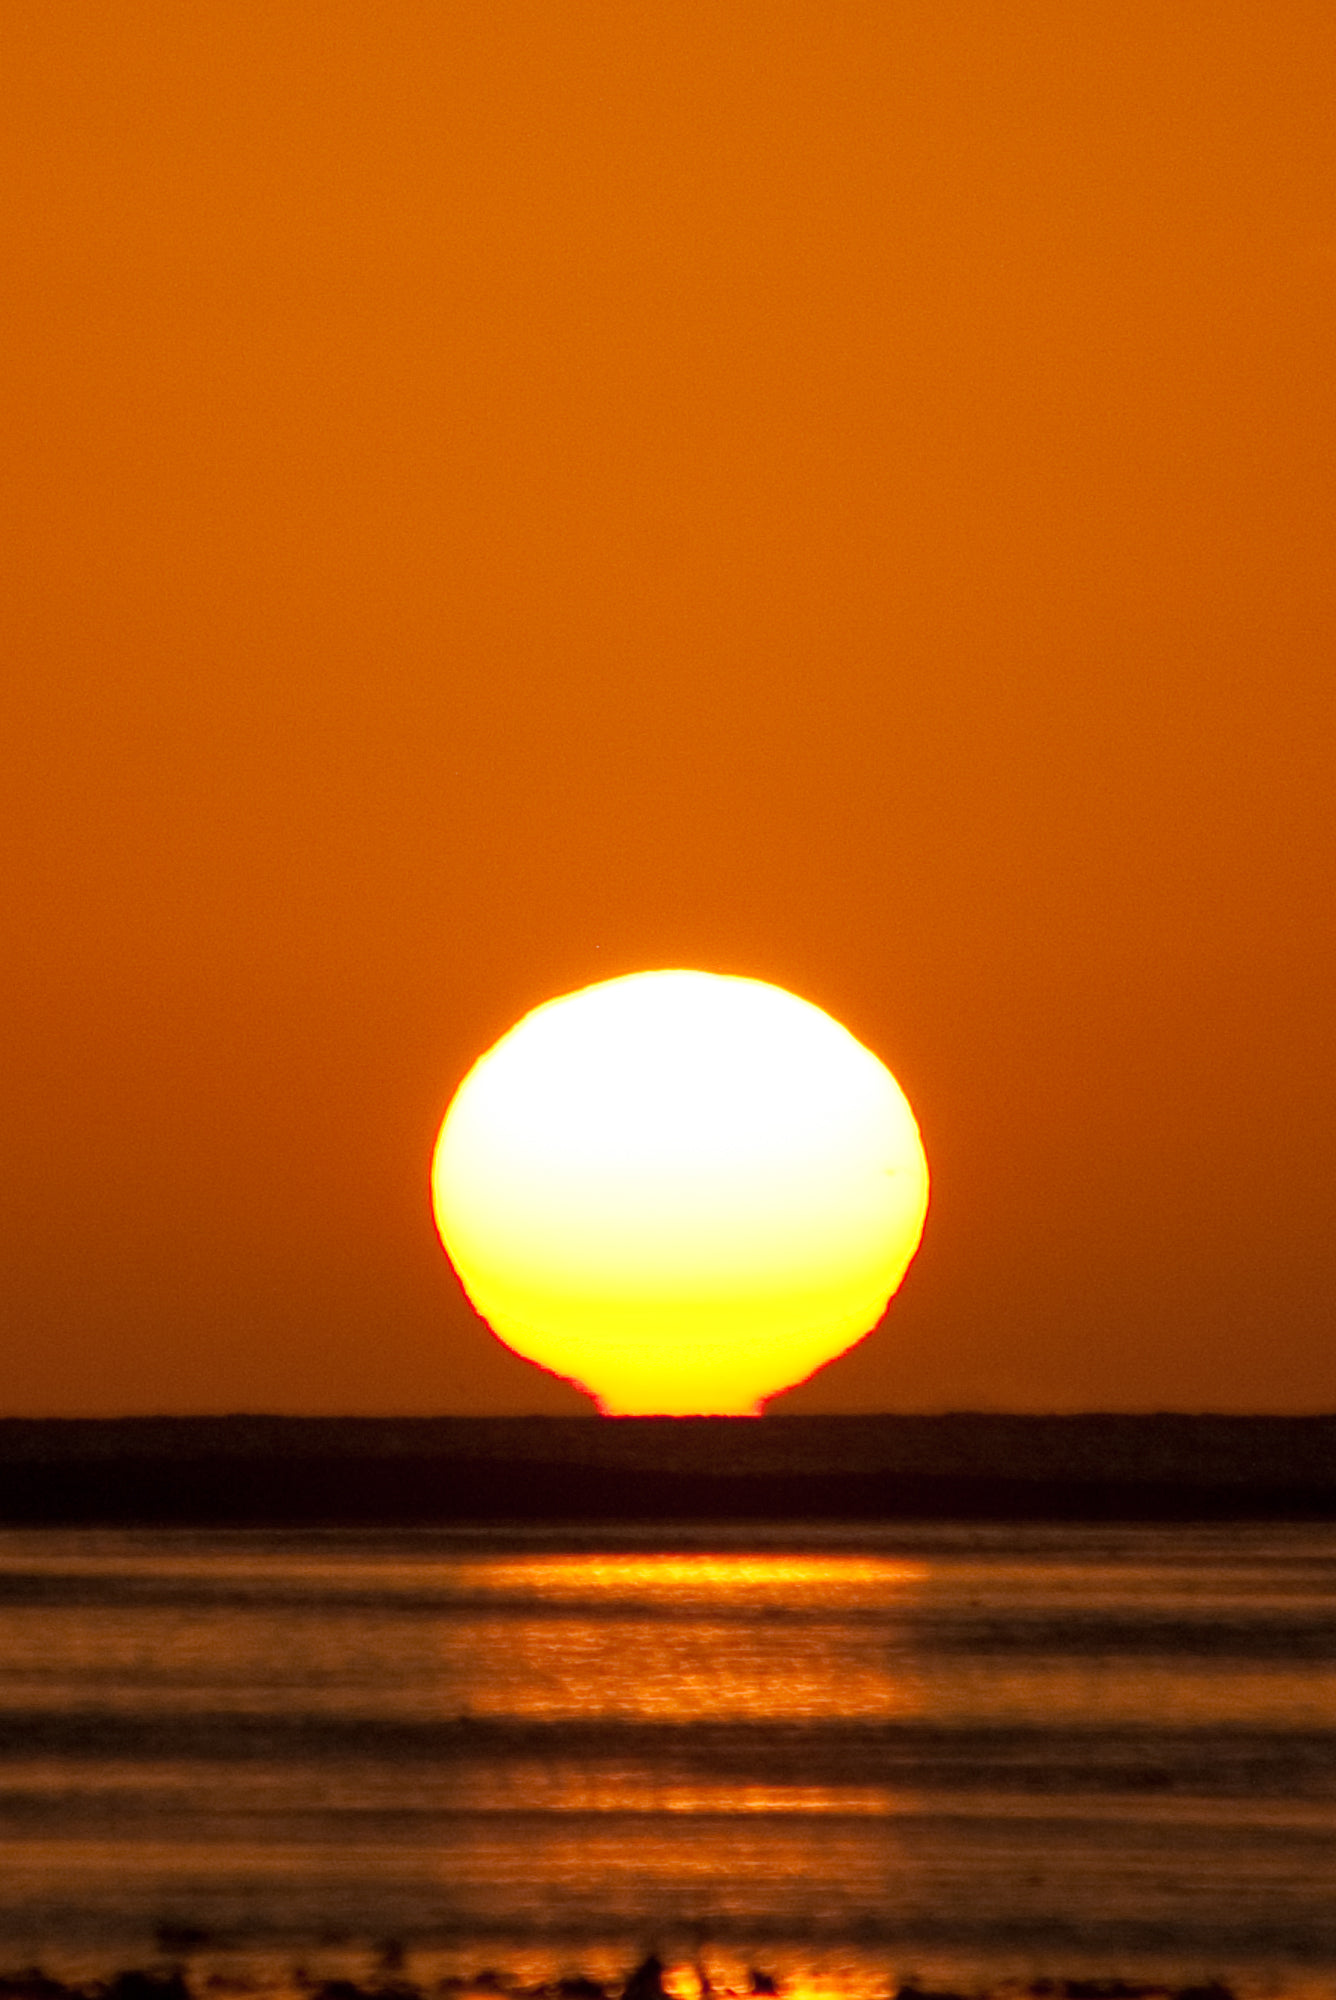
<point>402,1472</point>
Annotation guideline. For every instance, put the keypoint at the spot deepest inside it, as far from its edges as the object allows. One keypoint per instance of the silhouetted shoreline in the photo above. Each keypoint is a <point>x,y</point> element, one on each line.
<point>258,1471</point>
<point>642,1983</point>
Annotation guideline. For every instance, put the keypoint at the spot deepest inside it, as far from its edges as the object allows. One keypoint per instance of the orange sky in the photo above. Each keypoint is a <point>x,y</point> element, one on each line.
<point>502,493</point>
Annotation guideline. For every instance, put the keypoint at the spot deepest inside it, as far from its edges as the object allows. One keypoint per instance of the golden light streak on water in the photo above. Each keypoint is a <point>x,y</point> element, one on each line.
<point>684,1578</point>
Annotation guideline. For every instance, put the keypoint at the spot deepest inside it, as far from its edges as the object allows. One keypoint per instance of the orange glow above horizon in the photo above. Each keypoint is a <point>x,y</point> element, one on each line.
<point>682,1191</point>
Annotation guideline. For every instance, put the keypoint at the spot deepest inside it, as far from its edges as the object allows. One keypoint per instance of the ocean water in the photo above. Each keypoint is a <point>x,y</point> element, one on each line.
<point>843,1758</point>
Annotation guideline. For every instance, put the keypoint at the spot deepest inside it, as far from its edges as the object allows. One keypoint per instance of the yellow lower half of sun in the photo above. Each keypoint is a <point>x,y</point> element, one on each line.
<point>715,1357</point>
<point>682,1303</point>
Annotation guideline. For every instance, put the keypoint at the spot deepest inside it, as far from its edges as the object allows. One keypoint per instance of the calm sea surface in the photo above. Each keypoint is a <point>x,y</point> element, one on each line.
<point>840,1758</point>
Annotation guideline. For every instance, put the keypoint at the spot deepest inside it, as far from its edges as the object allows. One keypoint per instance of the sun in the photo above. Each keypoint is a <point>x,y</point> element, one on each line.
<point>681,1191</point>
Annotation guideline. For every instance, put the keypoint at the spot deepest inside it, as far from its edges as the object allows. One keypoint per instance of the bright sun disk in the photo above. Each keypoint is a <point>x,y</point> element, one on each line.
<point>682,1191</point>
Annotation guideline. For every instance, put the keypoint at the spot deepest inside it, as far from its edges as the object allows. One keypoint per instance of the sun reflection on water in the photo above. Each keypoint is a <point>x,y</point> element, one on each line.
<point>516,1752</point>
<point>832,1582</point>
<point>689,1638</point>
